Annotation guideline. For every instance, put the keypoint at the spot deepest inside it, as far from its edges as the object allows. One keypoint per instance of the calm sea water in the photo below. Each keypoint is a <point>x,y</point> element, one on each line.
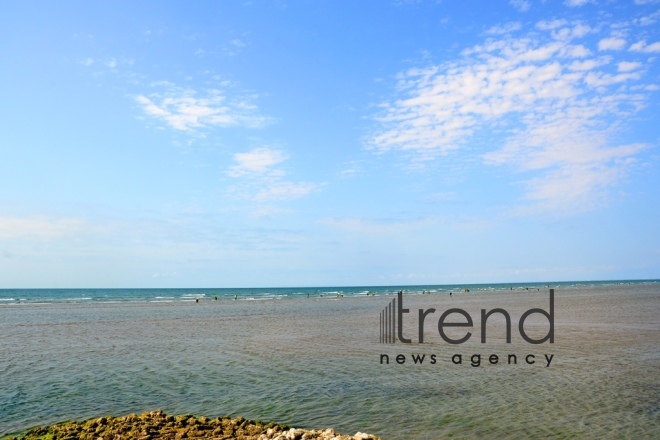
<point>277,354</point>
<point>33,296</point>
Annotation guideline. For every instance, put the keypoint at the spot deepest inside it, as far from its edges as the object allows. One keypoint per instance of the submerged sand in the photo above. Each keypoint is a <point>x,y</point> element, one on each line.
<point>318,363</point>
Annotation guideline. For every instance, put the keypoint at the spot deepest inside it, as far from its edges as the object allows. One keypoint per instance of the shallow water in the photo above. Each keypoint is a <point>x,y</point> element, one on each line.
<point>316,363</point>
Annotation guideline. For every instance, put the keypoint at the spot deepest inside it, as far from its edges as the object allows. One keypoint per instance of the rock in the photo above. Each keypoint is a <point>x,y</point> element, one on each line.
<point>294,434</point>
<point>158,425</point>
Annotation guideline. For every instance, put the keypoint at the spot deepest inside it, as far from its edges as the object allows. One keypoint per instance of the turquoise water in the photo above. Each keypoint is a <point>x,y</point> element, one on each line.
<point>275,354</point>
<point>17,296</point>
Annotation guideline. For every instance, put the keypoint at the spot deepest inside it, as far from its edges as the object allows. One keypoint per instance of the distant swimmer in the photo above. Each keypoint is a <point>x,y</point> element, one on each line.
<point>196,300</point>
<point>216,297</point>
<point>307,294</point>
<point>235,296</point>
<point>450,293</point>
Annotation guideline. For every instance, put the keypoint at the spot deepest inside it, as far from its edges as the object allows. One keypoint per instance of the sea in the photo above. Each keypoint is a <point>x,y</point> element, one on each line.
<point>45,296</point>
<point>314,357</point>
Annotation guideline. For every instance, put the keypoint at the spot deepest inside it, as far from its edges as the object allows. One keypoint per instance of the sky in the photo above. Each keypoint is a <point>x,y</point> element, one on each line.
<point>328,143</point>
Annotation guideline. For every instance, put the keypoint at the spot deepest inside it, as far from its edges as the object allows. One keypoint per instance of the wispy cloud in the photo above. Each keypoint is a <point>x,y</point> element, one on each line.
<point>521,5</point>
<point>186,109</point>
<point>262,181</point>
<point>648,20</point>
<point>377,227</point>
<point>611,44</point>
<point>544,101</point>
<point>504,28</point>
<point>39,227</point>
<point>234,47</point>
<point>284,191</point>
<point>642,46</point>
<point>257,161</point>
<point>576,3</point>
<point>400,228</point>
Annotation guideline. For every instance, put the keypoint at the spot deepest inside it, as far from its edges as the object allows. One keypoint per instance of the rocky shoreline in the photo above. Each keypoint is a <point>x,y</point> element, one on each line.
<point>158,425</point>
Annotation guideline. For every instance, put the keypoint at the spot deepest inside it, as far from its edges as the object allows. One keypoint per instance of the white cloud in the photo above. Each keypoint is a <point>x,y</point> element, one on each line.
<point>589,64</point>
<point>234,46</point>
<point>542,101</point>
<point>262,181</point>
<point>599,79</point>
<point>185,110</point>
<point>648,20</point>
<point>39,227</point>
<point>641,46</point>
<point>575,3</point>
<point>627,66</point>
<point>550,25</point>
<point>506,28</point>
<point>611,44</point>
<point>269,211</point>
<point>284,191</point>
<point>237,43</point>
<point>256,161</point>
<point>365,227</point>
<point>521,5</point>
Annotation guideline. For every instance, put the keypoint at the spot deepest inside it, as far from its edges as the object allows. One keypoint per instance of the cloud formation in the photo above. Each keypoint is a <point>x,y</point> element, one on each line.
<point>544,101</point>
<point>576,3</point>
<point>39,227</point>
<point>642,46</point>
<point>262,181</point>
<point>257,161</point>
<point>187,109</point>
<point>521,5</point>
<point>611,44</point>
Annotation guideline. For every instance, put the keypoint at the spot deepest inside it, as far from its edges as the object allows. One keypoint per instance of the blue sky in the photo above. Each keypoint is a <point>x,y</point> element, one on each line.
<point>302,143</point>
